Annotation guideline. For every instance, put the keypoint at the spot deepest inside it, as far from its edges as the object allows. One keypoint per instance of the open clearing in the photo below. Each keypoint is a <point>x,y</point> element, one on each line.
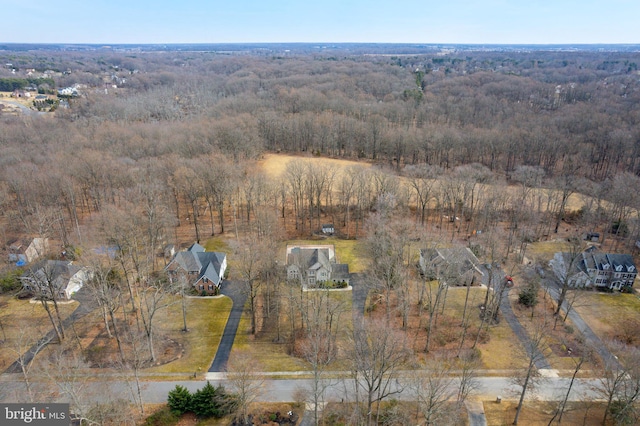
<point>539,413</point>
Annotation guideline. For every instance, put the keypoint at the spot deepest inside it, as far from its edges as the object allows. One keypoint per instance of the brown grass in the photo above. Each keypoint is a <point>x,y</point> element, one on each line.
<point>538,413</point>
<point>274,165</point>
<point>606,312</point>
<point>22,324</point>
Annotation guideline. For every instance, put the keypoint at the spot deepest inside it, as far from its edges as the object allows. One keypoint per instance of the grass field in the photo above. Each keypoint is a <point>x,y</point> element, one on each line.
<point>606,313</point>
<point>23,323</point>
<point>538,413</point>
<point>206,319</point>
<point>274,165</point>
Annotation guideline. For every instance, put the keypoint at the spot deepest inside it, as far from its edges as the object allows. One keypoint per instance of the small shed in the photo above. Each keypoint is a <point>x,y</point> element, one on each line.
<point>592,236</point>
<point>328,229</point>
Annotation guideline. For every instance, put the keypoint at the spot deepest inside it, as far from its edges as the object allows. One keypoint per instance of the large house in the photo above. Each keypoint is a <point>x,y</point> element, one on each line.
<point>202,269</point>
<point>313,265</point>
<point>593,268</point>
<point>458,266</point>
<point>58,279</point>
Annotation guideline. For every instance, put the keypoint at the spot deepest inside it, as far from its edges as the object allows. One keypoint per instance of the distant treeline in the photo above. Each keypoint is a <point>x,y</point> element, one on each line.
<point>9,84</point>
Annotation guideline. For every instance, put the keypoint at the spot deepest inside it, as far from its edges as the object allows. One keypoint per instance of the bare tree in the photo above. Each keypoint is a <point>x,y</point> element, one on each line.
<point>620,385</point>
<point>434,386</point>
<point>244,380</point>
<point>376,352</point>
<point>319,347</point>
<point>532,352</point>
<point>26,346</point>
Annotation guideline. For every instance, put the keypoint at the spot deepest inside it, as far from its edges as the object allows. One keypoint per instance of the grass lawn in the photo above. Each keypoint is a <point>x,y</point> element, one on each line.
<point>15,315</point>
<point>536,413</point>
<point>350,252</point>
<point>273,356</point>
<point>206,319</point>
<point>217,244</point>
<point>605,312</point>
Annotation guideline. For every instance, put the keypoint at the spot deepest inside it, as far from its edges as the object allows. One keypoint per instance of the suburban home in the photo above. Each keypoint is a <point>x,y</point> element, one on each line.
<point>58,279</point>
<point>26,251</point>
<point>458,266</point>
<point>203,269</point>
<point>313,265</point>
<point>593,268</point>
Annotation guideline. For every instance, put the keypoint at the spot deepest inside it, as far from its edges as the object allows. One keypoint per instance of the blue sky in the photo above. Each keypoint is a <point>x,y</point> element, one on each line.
<point>390,21</point>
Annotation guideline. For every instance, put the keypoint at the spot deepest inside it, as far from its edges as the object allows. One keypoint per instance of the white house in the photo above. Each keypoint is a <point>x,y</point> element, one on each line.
<point>58,279</point>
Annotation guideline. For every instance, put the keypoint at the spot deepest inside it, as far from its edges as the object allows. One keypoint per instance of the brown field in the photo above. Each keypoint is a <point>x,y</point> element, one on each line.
<point>274,165</point>
<point>23,323</point>
<point>609,314</point>
<point>538,413</point>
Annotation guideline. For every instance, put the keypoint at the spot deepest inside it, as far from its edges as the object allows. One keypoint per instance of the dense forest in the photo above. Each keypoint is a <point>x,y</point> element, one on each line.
<point>188,124</point>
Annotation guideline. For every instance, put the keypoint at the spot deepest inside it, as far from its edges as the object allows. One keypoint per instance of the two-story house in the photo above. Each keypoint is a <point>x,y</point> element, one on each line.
<point>313,265</point>
<point>593,268</point>
<point>202,269</point>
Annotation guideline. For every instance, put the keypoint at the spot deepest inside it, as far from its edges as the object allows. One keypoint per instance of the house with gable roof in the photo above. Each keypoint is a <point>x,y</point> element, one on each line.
<point>59,279</point>
<point>204,270</point>
<point>313,265</point>
<point>458,266</point>
<point>594,268</point>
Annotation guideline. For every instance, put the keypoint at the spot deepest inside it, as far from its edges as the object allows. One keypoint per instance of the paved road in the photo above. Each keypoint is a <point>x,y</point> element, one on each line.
<point>232,289</point>
<point>284,390</point>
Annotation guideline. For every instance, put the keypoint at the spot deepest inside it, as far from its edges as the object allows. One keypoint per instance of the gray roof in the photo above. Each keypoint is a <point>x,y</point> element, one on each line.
<point>57,272</point>
<point>197,260</point>
<point>309,258</point>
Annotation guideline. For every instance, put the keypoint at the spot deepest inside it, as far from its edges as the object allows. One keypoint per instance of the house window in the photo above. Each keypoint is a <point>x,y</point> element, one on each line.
<point>201,286</point>
<point>210,287</point>
<point>312,273</point>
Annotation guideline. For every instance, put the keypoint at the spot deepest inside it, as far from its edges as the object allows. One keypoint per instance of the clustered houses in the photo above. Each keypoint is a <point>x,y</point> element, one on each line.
<point>58,279</point>
<point>202,269</point>
<point>592,268</point>
<point>315,265</point>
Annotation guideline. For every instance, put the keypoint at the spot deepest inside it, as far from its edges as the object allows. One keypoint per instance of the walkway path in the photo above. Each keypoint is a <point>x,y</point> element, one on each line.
<point>232,289</point>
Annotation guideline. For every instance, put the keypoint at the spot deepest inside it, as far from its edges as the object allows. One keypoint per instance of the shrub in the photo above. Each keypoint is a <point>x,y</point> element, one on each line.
<point>179,400</point>
<point>10,282</point>
<point>212,402</point>
<point>528,296</point>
